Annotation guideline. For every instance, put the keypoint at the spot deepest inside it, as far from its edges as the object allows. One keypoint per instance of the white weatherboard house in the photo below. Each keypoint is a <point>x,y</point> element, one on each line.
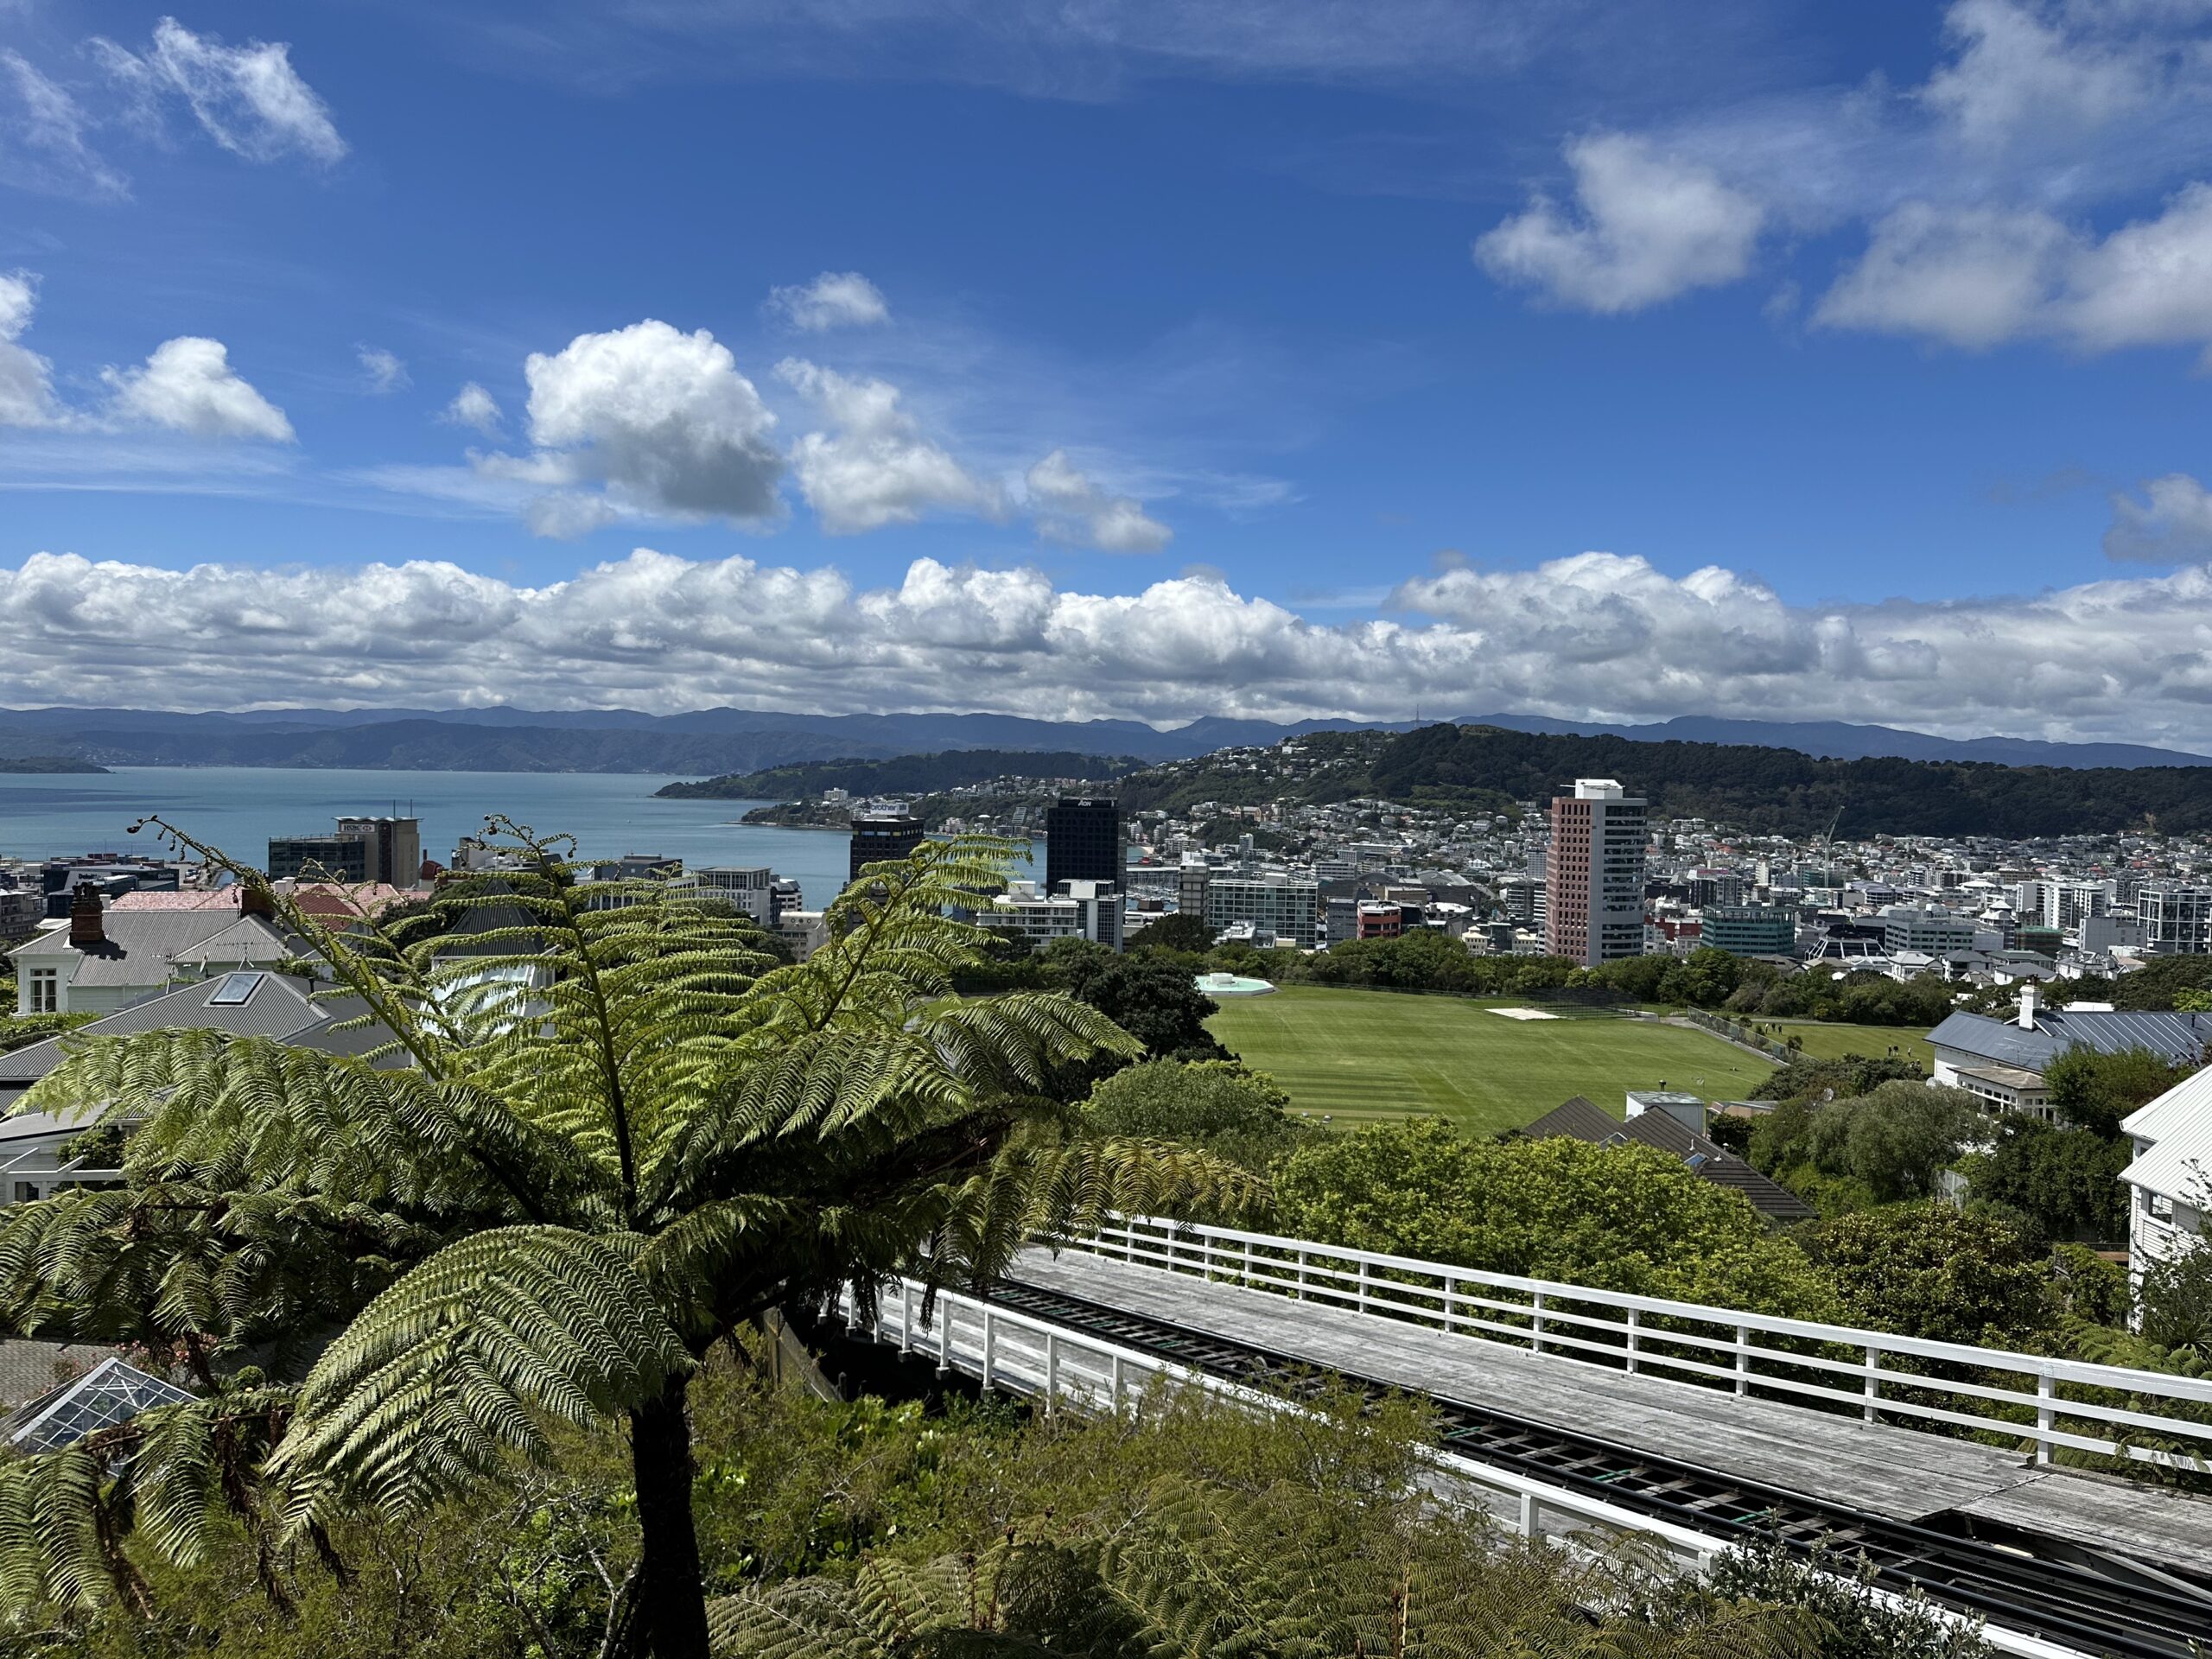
<point>106,960</point>
<point>2171,1180</point>
<point>2003,1061</point>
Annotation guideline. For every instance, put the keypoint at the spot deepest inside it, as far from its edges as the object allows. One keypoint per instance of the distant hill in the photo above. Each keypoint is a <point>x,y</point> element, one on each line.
<point>1785,791</point>
<point>47,763</point>
<point>1761,791</point>
<point>910,774</point>
<point>1834,740</point>
<point>715,742</point>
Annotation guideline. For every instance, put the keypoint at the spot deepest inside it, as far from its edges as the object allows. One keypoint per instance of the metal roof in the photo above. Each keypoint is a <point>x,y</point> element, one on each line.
<point>279,1008</point>
<point>2180,1038</point>
<point>1580,1119</point>
<point>139,947</point>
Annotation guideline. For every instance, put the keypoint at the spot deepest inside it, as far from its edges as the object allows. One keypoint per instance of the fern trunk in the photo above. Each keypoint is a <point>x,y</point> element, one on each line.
<point>670,1621</point>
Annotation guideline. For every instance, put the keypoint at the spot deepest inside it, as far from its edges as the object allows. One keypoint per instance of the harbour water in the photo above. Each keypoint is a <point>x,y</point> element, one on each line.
<point>240,808</point>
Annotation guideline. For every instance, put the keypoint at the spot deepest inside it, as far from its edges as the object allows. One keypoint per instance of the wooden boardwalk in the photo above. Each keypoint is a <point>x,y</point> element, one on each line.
<point>1894,1472</point>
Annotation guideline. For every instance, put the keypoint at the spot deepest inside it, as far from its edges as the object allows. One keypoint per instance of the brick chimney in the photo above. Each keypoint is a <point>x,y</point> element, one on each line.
<point>255,899</point>
<point>86,931</point>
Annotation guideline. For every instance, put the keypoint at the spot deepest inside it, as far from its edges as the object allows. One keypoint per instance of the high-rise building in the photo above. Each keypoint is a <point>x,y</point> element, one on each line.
<point>358,850</point>
<point>1593,874</point>
<point>751,889</point>
<point>1287,906</point>
<point>1082,840</point>
<point>394,848</point>
<point>880,837</point>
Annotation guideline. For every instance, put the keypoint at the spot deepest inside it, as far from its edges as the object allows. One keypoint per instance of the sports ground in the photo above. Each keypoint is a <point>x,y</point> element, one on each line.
<point>1355,1056</point>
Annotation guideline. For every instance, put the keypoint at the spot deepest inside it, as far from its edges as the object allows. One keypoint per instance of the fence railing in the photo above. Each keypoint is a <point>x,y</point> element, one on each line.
<point>1024,1355</point>
<point>2051,1404</point>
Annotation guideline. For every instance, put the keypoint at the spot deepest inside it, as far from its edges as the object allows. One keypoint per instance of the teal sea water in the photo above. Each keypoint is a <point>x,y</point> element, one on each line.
<point>239,808</point>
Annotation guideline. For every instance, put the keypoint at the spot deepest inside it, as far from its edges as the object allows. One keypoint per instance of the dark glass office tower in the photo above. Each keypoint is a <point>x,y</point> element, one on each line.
<point>1083,841</point>
<point>888,836</point>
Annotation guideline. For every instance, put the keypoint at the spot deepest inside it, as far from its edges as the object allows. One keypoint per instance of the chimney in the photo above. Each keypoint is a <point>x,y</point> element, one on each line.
<point>2028,1006</point>
<point>255,899</point>
<point>86,931</point>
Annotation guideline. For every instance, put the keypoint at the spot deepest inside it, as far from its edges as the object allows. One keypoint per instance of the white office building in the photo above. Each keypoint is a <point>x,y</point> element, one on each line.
<point>2176,921</point>
<point>1287,906</point>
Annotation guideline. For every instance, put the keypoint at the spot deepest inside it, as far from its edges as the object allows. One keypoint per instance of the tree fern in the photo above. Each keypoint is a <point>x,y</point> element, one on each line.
<point>602,1128</point>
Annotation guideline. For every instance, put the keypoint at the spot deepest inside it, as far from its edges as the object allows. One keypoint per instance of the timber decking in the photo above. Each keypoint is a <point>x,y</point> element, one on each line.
<point>1894,1472</point>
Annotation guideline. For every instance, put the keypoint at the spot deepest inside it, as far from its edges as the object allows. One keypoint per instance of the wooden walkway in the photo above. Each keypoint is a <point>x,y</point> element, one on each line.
<point>1886,1470</point>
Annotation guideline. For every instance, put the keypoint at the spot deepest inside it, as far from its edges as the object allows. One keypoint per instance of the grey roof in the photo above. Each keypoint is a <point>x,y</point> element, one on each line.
<point>2177,1037</point>
<point>279,1008</point>
<point>140,946</point>
<point>247,939</point>
<point>1583,1120</point>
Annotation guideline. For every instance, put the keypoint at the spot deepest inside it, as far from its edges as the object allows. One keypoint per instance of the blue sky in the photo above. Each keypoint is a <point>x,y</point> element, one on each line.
<point>1113,357</point>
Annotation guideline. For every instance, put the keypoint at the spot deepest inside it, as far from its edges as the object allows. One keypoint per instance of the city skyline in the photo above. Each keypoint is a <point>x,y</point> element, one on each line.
<point>1112,361</point>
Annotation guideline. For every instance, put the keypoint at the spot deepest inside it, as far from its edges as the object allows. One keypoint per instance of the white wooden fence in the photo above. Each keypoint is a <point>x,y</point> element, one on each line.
<point>1062,1368</point>
<point>2027,1399</point>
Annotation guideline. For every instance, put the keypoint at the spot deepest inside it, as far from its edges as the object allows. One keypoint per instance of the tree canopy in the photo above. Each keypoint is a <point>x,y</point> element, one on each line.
<point>594,1145</point>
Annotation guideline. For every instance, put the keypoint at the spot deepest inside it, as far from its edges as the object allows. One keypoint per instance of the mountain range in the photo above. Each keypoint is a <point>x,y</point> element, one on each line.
<point>709,741</point>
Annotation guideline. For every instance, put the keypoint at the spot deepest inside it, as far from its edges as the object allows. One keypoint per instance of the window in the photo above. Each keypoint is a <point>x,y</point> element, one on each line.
<point>46,990</point>
<point>236,990</point>
<point>2161,1207</point>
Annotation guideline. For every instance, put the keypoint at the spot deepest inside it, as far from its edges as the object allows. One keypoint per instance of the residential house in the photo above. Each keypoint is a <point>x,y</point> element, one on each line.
<point>253,1002</point>
<point>2003,1061</point>
<point>2169,1182</point>
<point>106,960</point>
<point>1663,1122</point>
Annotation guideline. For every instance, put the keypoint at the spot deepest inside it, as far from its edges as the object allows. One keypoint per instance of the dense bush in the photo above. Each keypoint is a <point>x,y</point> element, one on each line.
<point>1615,1217</point>
<point>1220,1105</point>
<point>1931,1271</point>
<point>1854,1074</point>
<point>2094,1090</point>
<point>2065,1181</point>
<point>1894,1142</point>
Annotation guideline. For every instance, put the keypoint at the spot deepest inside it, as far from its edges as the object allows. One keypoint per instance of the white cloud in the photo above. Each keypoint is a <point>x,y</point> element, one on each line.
<point>1594,635</point>
<point>2172,523</point>
<point>874,467</point>
<point>2020,65</point>
<point>1070,507</point>
<point>473,407</point>
<point>25,378</point>
<point>1972,277</point>
<point>643,420</point>
<point>43,142</point>
<point>1977,276</point>
<point>835,299</point>
<point>188,386</point>
<point>1646,228</point>
<point>248,98</point>
<point>381,371</point>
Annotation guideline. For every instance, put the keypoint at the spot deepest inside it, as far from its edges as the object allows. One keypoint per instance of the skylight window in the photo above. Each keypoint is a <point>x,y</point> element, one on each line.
<point>236,990</point>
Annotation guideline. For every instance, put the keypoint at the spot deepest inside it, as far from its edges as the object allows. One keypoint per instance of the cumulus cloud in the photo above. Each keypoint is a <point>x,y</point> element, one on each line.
<point>642,420</point>
<point>475,408</point>
<point>875,467</point>
<point>1645,228</point>
<point>835,299</point>
<point>1070,507</point>
<point>381,371</point>
<point>248,98</point>
<point>2019,64</point>
<point>188,386</point>
<point>1971,277</point>
<point>42,136</point>
<point>25,378</point>
<point>1977,277</point>
<point>2172,522</point>
<point>1593,635</point>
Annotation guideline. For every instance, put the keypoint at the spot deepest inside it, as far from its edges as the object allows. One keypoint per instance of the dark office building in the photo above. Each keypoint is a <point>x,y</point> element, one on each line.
<point>1083,841</point>
<point>876,839</point>
<point>338,858</point>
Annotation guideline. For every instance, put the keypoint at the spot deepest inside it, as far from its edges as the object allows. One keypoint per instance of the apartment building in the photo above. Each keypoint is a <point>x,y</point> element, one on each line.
<point>1593,873</point>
